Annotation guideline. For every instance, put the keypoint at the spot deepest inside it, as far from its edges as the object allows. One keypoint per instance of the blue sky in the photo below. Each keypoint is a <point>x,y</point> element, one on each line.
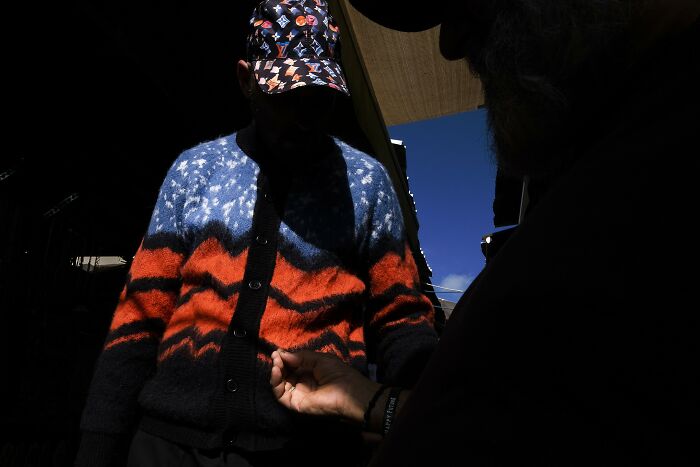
<point>451,175</point>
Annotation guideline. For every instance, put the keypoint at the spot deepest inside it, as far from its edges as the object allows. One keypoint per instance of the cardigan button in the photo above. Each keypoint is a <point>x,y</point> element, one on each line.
<point>238,332</point>
<point>260,240</point>
<point>231,385</point>
<point>254,285</point>
<point>230,440</point>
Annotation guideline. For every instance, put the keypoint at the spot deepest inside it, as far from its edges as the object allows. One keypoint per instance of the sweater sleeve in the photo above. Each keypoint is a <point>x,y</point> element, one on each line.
<point>129,354</point>
<point>401,317</point>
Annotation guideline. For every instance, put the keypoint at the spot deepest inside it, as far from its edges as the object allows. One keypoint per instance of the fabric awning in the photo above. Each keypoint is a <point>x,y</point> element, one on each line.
<point>409,78</point>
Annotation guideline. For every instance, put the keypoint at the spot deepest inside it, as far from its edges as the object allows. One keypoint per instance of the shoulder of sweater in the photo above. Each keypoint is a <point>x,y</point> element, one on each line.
<point>223,147</point>
<point>204,157</point>
<point>353,156</point>
<point>363,166</point>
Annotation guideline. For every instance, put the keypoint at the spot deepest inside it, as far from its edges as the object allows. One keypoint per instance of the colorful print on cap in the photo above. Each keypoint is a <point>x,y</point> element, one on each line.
<point>294,43</point>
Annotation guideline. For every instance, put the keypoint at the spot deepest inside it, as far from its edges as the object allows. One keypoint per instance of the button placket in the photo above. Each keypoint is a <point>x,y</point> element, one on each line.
<point>249,309</point>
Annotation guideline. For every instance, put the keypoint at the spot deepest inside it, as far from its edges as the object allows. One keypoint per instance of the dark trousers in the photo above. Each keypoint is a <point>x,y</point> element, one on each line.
<point>148,450</point>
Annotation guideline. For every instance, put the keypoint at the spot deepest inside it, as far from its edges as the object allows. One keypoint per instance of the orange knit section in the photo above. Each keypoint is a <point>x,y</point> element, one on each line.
<point>143,305</point>
<point>358,334</point>
<point>304,286</point>
<point>212,258</point>
<point>392,270</point>
<point>159,263</point>
<point>400,307</point>
<point>287,328</point>
<point>264,358</point>
<point>333,350</point>
<point>410,321</point>
<point>186,287</point>
<point>130,338</point>
<point>206,311</point>
<point>188,343</point>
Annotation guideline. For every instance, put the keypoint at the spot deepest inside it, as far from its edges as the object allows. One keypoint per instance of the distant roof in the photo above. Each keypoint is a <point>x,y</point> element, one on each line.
<point>447,307</point>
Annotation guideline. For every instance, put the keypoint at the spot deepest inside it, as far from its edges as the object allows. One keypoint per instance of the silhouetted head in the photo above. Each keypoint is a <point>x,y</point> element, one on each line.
<point>547,67</point>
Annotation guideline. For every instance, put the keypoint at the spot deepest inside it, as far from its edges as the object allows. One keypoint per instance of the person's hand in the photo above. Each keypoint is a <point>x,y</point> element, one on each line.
<point>316,383</point>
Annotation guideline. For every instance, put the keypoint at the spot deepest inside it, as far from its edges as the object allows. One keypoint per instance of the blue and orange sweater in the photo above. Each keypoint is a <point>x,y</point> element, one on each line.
<point>237,262</point>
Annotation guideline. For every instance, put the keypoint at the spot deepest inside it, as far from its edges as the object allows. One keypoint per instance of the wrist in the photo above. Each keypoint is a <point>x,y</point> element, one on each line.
<point>362,393</point>
<point>367,422</point>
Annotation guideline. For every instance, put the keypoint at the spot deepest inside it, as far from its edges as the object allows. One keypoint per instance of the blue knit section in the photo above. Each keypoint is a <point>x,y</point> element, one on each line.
<point>378,214</point>
<point>214,181</point>
<point>352,206</point>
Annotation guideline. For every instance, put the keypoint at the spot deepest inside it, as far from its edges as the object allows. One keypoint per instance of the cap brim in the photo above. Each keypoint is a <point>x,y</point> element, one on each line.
<point>284,74</point>
<point>395,15</point>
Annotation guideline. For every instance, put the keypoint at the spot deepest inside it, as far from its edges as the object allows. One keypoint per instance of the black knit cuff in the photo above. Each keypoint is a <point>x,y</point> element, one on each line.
<point>101,450</point>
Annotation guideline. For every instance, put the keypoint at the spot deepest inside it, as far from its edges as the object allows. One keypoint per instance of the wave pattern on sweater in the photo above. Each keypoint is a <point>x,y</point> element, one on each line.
<point>344,280</point>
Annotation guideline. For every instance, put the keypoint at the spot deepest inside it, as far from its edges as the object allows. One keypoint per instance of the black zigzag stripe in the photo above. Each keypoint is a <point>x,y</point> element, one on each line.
<point>415,335</point>
<point>357,362</point>
<point>386,298</point>
<point>390,294</point>
<point>355,345</point>
<point>313,305</point>
<point>384,245</point>
<point>153,283</point>
<point>165,240</point>
<point>208,282</point>
<point>191,332</point>
<point>344,259</point>
<point>154,326</point>
<point>218,230</point>
<point>326,338</point>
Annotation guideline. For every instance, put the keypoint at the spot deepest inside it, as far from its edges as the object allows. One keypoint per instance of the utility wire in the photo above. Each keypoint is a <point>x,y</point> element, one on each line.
<point>444,288</point>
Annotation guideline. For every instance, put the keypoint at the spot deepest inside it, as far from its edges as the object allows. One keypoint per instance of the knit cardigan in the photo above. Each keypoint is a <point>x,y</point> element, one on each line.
<point>237,263</point>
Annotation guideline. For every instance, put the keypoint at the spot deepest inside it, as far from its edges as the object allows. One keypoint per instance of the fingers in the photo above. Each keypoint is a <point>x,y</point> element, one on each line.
<point>282,380</point>
<point>304,360</point>
<point>277,382</point>
<point>277,361</point>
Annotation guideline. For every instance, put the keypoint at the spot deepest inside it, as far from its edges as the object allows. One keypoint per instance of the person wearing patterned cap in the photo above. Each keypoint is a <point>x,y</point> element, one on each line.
<point>277,236</point>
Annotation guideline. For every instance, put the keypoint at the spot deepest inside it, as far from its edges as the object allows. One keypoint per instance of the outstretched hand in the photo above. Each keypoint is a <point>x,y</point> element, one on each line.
<point>316,383</point>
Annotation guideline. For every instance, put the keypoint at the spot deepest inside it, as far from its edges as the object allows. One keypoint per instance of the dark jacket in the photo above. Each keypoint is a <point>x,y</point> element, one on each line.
<point>579,342</point>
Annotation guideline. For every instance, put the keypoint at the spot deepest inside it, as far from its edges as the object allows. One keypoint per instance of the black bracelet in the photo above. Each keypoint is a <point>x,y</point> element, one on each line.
<point>371,404</point>
<point>390,410</point>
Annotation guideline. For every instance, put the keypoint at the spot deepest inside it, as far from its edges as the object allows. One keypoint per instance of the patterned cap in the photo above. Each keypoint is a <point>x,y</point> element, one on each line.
<point>294,43</point>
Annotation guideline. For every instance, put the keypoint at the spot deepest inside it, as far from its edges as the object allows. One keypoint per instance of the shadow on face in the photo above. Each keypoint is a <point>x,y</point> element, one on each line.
<point>298,116</point>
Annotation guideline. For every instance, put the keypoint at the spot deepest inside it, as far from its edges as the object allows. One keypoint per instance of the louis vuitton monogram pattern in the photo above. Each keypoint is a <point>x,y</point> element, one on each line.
<point>294,43</point>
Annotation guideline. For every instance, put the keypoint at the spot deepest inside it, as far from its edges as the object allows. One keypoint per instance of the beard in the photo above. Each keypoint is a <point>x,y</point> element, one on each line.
<point>547,68</point>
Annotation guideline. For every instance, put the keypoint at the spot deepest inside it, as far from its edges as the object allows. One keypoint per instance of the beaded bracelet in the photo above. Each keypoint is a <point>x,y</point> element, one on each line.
<point>371,404</point>
<point>390,409</point>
